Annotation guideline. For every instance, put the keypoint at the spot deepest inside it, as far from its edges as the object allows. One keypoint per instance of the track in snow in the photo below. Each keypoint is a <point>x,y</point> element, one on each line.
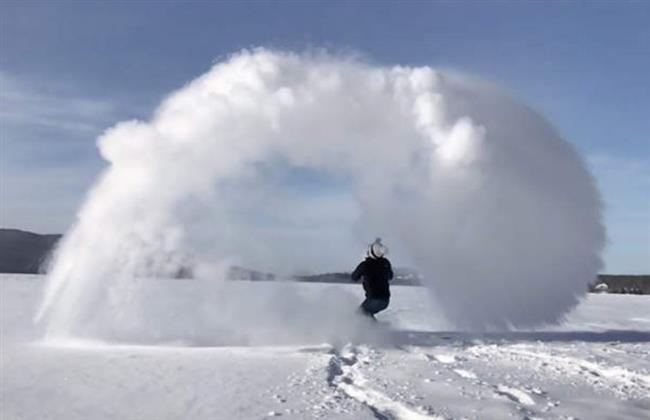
<point>616,379</point>
<point>344,375</point>
<point>424,371</point>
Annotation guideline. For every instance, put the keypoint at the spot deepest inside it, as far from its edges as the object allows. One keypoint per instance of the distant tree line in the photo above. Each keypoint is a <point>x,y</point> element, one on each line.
<point>28,253</point>
<point>623,284</point>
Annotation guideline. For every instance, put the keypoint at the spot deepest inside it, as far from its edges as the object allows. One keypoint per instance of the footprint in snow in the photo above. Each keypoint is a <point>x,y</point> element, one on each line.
<point>514,394</point>
<point>465,374</point>
<point>445,358</point>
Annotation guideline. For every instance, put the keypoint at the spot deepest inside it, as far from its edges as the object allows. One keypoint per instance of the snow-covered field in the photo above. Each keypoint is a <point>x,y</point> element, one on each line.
<point>595,366</point>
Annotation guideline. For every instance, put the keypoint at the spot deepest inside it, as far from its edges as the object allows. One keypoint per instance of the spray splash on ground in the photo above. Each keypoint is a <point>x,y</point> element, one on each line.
<point>478,192</point>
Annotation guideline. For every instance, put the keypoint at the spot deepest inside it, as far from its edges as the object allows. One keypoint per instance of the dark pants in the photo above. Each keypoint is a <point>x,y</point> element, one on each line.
<point>371,306</point>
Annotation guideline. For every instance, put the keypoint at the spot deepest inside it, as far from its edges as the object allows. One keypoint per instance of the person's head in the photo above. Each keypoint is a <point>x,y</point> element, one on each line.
<point>377,249</point>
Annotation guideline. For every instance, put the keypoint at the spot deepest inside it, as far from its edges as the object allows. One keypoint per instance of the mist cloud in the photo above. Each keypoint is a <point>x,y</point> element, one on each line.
<point>476,191</point>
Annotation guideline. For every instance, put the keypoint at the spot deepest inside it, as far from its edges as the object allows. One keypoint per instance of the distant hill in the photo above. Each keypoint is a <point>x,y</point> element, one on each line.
<point>24,252</point>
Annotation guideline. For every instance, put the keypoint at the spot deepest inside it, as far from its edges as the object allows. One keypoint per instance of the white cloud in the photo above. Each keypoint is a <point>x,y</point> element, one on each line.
<point>30,104</point>
<point>513,209</point>
<point>48,151</point>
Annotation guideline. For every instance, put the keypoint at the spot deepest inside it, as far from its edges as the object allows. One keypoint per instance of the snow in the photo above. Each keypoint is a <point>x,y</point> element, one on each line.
<point>593,366</point>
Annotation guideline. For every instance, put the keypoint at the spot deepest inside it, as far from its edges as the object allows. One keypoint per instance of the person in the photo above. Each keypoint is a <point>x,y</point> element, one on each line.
<point>376,272</point>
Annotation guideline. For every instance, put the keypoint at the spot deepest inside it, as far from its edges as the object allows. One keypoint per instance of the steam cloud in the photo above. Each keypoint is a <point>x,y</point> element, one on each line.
<point>478,192</point>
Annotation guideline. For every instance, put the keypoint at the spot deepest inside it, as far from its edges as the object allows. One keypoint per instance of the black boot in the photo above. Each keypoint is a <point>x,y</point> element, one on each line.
<point>362,311</point>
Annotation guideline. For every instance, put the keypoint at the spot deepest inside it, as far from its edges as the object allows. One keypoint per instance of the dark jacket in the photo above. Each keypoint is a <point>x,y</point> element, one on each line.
<point>376,273</point>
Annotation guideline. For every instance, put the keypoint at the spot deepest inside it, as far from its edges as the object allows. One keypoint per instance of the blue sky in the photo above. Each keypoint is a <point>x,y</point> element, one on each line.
<point>70,69</point>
